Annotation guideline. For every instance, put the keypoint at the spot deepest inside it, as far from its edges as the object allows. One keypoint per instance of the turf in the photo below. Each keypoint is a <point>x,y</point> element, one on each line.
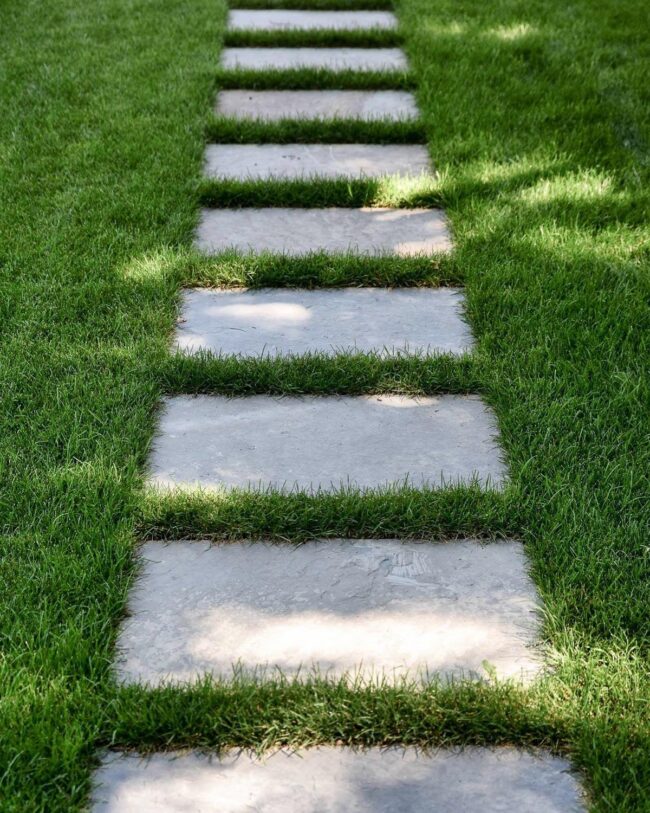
<point>536,115</point>
<point>313,78</point>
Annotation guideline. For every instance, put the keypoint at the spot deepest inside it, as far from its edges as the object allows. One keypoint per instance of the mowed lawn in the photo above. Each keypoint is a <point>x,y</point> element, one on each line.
<point>537,118</point>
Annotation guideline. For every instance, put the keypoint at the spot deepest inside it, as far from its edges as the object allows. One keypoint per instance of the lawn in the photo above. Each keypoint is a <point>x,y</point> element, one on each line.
<point>537,117</point>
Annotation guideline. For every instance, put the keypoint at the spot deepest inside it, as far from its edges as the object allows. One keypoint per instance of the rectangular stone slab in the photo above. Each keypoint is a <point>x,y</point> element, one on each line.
<point>338,780</point>
<point>298,161</point>
<point>274,105</point>
<point>288,20</point>
<point>369,610</point>
<point>331,59</point>
<point>373,232</point>
<point>317,442</point>
<point>286,321</point>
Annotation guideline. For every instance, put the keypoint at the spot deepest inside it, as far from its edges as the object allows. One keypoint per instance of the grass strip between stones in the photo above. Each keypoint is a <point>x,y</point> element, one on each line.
<point>315,5</point>
<point>418,192</point>
<point>344,374</point>
<point>400,512</point>
<point>221,129</point>
<point>369,38</point>
<point>312,79</point>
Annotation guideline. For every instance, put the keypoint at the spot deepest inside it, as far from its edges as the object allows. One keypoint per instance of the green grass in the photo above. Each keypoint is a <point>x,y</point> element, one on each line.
<point>313,79</point>
<point>536,113</point>
<point>345,373</point>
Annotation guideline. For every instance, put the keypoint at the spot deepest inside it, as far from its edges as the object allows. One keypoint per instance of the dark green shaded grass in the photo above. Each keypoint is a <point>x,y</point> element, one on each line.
<point>538,115</point>
<point>321,5</point>
<point>316,270</point>
<point>400,512</point>
<point>316,374</point>
<point>369,38</point>
<point>313,79</point>
<point>422,192</point>
<point>333,131</point>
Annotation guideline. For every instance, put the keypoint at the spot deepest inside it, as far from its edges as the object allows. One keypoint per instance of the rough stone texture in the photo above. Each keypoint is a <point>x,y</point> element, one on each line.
<point>285,321</point>
<point>365,609</point>
<point>332,59</point>
<point>314,442</point>
<point>264,161</point>
<point>287,20</point>
<point>295,232</point>
<point>339,780</point>
<point>273,105</point>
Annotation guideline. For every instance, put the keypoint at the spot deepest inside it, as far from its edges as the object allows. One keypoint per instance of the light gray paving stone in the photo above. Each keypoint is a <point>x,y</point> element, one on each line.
<point>291,161</point>
<point>368,610</point>
<point>315,442</point>
<point>370,231</point>
<point>274,105</point>
<point>331,59</point>
<point>289,20</point>
<point>339,780</point>
<point>285,321</point>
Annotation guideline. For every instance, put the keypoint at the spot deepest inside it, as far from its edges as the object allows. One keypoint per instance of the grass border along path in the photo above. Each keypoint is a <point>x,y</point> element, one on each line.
<point>536,115</point>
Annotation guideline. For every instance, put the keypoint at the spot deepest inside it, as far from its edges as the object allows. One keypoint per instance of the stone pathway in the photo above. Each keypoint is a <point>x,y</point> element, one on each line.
<point>381,609</point>
<point>339,780</point>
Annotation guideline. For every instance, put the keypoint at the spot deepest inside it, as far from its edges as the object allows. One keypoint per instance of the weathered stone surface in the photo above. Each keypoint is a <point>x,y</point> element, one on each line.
<point>339,780</point>
<point>285,321</point>
<point>357,609</point>
<point>332,59</point>
<point>315,442</point>
<point>274,105</point>
<point>295,232</point>
<point>289,20</point>
<point>291,161</point>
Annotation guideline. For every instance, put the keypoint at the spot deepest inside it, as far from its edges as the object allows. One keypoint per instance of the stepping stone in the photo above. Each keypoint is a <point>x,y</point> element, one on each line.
<point>332,59</point>
<point>316,442</point>
<point>287,20</point>
<point>369,610</point>
<point>285,321</point>
<point>309,105</point>
<point>372,232</point>
<point>339,780</point>
<point>298,161</point>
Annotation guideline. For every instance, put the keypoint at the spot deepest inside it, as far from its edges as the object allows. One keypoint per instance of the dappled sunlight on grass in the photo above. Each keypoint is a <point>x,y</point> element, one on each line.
<point>512,33</point>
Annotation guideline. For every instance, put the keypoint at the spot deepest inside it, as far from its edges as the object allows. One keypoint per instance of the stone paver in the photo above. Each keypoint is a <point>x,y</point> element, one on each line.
<point>290,161</point>
<point>284,321</point>
<point>359,609</point>
<point>332,59</point>
<point>315,442</point>
<point>339,780</point>
<point>288,20</point>
<point>274,105</point>
<point>370,231</point>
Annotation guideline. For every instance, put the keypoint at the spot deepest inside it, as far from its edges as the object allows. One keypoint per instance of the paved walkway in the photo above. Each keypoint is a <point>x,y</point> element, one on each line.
<point>371,609</point>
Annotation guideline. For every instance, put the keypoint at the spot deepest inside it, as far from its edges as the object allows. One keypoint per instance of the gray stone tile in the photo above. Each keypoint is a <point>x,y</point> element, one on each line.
<point>286,321</point>
<point>288,20</point>
<point>274,105</point>
<point>368,610</point>
<point>332,59</point>
<point>315,442</point>
<point>291,161</point>
<point>339,780</point>
<point>370,232</point>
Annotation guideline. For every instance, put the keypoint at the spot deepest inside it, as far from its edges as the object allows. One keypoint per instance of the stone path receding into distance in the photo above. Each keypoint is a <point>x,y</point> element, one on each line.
<point>344,608</point>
